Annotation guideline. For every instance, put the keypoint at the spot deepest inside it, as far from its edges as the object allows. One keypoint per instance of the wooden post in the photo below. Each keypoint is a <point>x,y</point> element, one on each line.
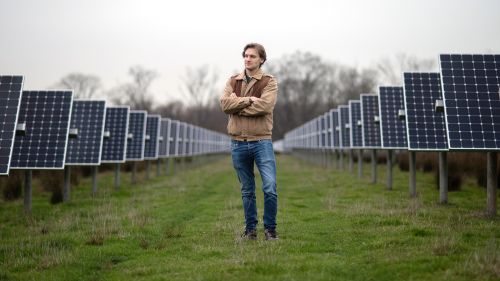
<point>360,163</point>
<point>374,166</point>
<point>341,159</point>
<point>27,191</point>
<point>443,177</point>
<point>351,161</point>
<point>94,181</point>
<point>134,172</point>
<point>389,169</point>
<point>117,176</point>
<point>148,169</point>
<point>492,185</point>
<point>167,166</point>
<point>67,182</point>
<point>413,174</point>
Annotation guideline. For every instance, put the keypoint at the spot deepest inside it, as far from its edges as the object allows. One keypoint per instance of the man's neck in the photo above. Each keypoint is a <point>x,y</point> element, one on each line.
<point>251,72</point>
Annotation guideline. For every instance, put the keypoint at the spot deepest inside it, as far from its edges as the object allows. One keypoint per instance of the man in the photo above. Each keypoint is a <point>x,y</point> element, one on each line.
<point>249,99</point>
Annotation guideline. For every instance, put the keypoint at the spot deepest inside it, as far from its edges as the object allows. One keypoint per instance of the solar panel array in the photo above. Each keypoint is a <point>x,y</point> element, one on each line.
<point>393,125</point>
<point>426,128</point>
<point>151,145</point>
<point>370,120</point>
<point>328,135</point>
<point>136,135</point>
<point>181,138</point>
<point>10,101</point>
<point>470,86</point>
<point>187,139</point>
<point>114,144</point>
<point>356,124</point>
<point>335,128</point>
<point>174,135</point>
<point>47,117</point>
<point>165,136</point>
<point>88,118</point>
<point>345,135</point>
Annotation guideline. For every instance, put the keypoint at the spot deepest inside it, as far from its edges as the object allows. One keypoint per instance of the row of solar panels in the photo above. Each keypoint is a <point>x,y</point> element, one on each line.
<point>48,130</point>
<point>457,108</point>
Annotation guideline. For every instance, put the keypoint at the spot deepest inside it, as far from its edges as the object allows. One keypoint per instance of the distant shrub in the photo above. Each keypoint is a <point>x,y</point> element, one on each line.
<point>52,181</point>
<point>403,161</point>
<point>12,186</point>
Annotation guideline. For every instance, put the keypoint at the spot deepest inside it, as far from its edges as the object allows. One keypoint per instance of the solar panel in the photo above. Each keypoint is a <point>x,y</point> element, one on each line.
<point>46,115</point>
<point>426,128</point>
<point>87,117</point>
<point>370,119</point>
<point>355,123</point>
<point>345,136</point>
<point>136,135</point>
<point>470,85</point>
<point>328,130</point>
<point>335,128</point>
<point>114,145</point>
<point>322,128</point>
<point>164,137</point>
<point>10,101</point>
<point>187,139</point>
<point>196,142</point>
<point>151,145</point>
<point>392,118</point>
<point>174,135</point>
<point>180,139</point>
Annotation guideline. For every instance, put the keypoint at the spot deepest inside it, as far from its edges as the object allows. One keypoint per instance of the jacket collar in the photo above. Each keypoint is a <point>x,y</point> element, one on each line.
<point>258,75</point>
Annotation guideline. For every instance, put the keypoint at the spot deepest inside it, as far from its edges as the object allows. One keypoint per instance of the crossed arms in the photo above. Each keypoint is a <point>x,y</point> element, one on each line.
<point>249,106</point>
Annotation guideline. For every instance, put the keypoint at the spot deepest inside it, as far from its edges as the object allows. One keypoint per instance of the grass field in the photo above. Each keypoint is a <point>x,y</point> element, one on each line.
<point>332,226</point>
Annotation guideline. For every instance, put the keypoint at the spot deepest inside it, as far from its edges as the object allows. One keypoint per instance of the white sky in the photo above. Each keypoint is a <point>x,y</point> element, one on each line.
<point>47,39</point>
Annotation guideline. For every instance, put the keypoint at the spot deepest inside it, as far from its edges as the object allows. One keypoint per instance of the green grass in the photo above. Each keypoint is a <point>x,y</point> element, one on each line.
<point>332,226</point>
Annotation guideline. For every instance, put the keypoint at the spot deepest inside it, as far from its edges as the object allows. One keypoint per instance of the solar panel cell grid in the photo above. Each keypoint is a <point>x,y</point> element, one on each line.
<point>88,118</point>
<point>426,127</point>
<point>114,146</point>
<point>470,86</point>
<point>165,134</point>
<point>336,128</point>
<point>10,100</point>
<point>393,128</point>
<point>174,132</point>
<point>47,116</point>
<point>369,116</point>
<point>137,128</point>
<point>355,121</point>
<point>151,145</point>
<point>345,134</point>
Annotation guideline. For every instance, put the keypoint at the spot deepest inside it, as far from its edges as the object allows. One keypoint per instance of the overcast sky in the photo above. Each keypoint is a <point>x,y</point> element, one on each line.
<point>47,39</point>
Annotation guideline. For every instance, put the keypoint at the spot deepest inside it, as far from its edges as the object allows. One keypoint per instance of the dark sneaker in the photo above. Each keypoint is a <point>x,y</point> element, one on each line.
<point>271,234</point>
<point>249,234</point>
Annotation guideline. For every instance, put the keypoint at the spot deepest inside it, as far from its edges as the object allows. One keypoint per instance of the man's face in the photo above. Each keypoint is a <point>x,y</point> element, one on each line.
<point>252,59</point>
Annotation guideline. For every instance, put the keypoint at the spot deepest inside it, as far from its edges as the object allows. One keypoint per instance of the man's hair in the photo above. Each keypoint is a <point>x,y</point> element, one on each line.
<point>260,50</point>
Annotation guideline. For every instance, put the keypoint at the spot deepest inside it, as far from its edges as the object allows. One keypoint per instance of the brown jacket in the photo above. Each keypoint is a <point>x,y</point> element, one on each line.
<point>250,121</point>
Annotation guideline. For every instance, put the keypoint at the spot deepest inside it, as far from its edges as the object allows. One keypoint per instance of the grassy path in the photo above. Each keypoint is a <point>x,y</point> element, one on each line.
<point>332,226</point>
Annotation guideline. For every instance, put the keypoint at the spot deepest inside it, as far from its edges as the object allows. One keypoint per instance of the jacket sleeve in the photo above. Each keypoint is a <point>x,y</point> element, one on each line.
<point>231,104</point>
<point>265,104</point>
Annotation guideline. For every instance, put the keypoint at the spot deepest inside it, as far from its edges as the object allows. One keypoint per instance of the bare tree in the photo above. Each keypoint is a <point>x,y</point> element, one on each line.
<point>200,87</point>
<point>84,86</point>
<point>137,93</point>
<point>391,69</point>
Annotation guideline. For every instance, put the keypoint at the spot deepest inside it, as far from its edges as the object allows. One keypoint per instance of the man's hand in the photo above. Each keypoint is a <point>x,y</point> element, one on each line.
<point>233,95</point>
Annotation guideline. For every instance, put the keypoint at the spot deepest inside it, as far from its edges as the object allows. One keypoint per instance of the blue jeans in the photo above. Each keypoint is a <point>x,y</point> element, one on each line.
<point>244,155</point>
